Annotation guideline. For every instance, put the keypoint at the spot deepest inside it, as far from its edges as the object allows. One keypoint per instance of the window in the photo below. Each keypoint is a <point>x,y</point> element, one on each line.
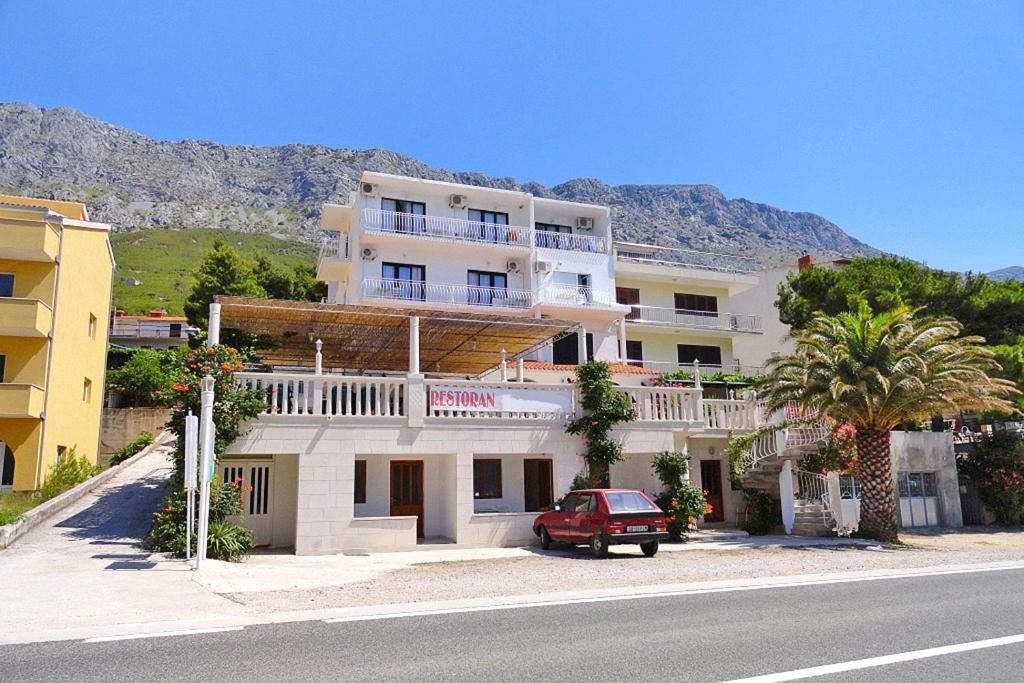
<point>175,330</point>
<point>550,236</point>
<point>360,492</point>
<point>490,231</point>
<point>404,281</point>
<point>406,216</point>
<point>917,484</point>
<point>492,217</point>
<point>6,284</point>
<point>568,503</point>
<point>849,487</point>
<point>698,304</point>
<point>87,390</point>
<point>707,355</point>
<point>487,479</point>
<point>6,465</point>
<point>61,452</point>
<point>92,326</point>
<point>3,367</point>
<point>489,282</point>
<point>566,351</point>
<point>628,501</point>
<point>586,503</point>
<point>629,296</point>
<point>537,480</point>
<point>635,352</point>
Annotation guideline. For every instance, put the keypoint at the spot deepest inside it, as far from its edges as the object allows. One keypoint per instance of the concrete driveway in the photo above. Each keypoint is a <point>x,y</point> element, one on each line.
<point>85,566</point>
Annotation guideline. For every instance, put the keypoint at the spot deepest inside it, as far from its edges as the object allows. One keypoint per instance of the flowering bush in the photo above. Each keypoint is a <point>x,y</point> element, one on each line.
<point>168,532</point>
<point>605,407</point>
<point>839,455</point>
<point>683,508</point>
<point>997,466</point>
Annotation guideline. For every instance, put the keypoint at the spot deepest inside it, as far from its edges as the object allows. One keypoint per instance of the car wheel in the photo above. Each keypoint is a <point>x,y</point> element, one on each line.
<point>545,539</point>
<point>599,546</point>
<point>649,548</point>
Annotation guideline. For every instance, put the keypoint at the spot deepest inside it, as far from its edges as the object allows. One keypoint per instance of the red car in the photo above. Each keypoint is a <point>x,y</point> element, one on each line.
<point>603,517</point>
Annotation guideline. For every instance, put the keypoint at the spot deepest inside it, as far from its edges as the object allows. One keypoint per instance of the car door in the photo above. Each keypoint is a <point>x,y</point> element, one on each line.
<point>581,518</point>
<point>558,526</point>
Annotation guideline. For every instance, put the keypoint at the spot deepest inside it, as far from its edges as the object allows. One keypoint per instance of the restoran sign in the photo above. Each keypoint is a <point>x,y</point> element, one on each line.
<point>499,400</point>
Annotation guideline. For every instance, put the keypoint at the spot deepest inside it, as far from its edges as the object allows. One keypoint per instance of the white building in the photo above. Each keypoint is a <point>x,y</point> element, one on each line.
<point>408,425</point>
<point>157,330</point>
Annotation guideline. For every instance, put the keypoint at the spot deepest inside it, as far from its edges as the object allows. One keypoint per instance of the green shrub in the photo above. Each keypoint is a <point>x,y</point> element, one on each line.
<point>232,542</point>
<point>604,407</point>
<point>760,512</point>
<point>141,441</point>
<point>68,473</point>
<point>14,505</point>
<point>682,501</point>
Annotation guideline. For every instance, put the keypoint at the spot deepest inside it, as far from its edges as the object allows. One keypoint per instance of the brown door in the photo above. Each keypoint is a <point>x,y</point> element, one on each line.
<point>711,480</point>
<point>407,491</point>
<point>537,484</point>
<point>629,296</point>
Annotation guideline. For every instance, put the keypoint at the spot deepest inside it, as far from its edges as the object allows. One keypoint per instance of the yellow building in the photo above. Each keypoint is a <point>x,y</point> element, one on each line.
<point>56,270</point>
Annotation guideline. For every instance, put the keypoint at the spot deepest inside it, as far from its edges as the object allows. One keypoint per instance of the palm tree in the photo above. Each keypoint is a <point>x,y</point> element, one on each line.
<point>876,372</point>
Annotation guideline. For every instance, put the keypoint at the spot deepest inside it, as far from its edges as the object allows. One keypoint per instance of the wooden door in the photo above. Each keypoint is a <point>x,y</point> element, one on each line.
<point>407,491</point>
<point>711,481</point>
<point>537,488</point>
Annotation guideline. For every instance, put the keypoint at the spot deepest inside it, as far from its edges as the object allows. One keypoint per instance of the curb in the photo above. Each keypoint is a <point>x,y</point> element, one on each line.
<point>37,515</point>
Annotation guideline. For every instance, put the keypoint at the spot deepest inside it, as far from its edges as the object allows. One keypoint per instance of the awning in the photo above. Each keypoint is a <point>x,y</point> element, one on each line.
<point>371,338</point>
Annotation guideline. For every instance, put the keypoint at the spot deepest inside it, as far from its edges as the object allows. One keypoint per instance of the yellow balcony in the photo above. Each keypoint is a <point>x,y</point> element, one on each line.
<point>28,240</point>
<point>24,318</point>
<point>21,400</point>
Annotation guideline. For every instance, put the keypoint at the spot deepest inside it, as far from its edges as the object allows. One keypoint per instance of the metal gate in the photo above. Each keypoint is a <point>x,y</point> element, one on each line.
<point>257,503</point>
<point>919,499</point>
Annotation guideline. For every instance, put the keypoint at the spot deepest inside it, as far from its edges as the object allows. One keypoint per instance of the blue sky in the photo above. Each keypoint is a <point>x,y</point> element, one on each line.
<point>901,122</point>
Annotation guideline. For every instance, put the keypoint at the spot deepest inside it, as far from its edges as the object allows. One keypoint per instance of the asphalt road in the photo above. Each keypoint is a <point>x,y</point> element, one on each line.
<point>704,637</point>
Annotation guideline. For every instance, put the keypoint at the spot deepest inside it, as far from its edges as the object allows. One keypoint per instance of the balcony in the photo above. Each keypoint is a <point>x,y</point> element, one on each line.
<point>652,255</point>
<point>381,222</point>
<point>21,400</point>
<point>334,255</point>
<point>414,294</point>
<point>569,242</point>
<point>24,317</point>
<point>696,320</point>
<point>575,296</point>
<point>706,369</point>
<point>28,241</point>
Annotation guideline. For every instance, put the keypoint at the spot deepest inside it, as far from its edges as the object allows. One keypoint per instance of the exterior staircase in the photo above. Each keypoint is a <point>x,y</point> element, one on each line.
<point>810,519</point>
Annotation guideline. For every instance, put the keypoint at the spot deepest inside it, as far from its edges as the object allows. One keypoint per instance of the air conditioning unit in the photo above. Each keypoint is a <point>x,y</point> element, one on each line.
<point>584,223</point>
<point>369,253</point>
<point>543,267</point>
<point>369,189</point>
<point>512,266</point>
<point>457,201</point>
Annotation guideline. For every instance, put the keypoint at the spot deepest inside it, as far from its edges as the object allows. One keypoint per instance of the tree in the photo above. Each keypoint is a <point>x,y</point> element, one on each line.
<point>276,283</point>
<point>144,379</point>
<point>875,371</point>
<point>222,271</point>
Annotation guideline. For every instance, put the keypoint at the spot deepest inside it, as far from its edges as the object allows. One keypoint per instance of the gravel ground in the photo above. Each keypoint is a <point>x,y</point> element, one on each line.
<point>573,569</point>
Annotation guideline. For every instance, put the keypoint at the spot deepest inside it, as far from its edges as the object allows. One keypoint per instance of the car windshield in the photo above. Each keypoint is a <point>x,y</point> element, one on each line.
<point>628,501</point>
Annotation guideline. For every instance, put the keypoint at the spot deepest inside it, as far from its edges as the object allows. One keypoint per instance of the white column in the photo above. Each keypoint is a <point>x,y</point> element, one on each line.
<point>213,326</point>
<point>206,460</point>
<point>319,358</point>
<point>504,366</point>
<point>835,499</point>
<point>520,371</point>
<point>623,353</point>
<point>787,496</point>
<point>581,344</point>
<point>414,345</point>
<point>317,392</point>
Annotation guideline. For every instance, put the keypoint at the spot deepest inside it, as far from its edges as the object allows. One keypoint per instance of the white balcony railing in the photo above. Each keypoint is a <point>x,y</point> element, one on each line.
<point>684,258</point>
<point>327,395</point>
<point>569,242</point>
<point>708,320</point>
<point>706,369</point>
<point>665,404</point>
<point>445,228</point>
<point>334,246</point>
<point>731,414</point>
<point>386,289</point>
<point>574,295</point>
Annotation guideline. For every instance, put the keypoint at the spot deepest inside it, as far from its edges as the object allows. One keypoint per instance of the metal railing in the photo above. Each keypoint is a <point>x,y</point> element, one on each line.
<point>574,295</point>
<point>664,404</point>
<point>812,488</point>
<point>569,241</point>
<point>684,258</point>
<point>679,317</point>
<point>327,395</point>
<point>666,366</point>
<point>445,228</point>
<point>334,246</point>
<point>387,289</point>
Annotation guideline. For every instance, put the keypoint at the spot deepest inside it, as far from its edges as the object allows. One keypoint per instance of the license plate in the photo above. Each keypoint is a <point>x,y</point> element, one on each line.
<point>635,529</point>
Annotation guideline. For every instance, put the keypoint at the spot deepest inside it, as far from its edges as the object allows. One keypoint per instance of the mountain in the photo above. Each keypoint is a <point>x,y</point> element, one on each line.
<point>136,182</point>
<point>1011,273</point>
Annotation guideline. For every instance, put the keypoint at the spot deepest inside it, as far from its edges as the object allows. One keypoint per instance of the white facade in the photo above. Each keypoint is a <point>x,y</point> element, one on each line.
<point>154,331</point>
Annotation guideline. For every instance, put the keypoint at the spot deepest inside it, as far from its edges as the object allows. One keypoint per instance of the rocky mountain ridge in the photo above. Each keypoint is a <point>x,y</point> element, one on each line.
<point>136,182</point>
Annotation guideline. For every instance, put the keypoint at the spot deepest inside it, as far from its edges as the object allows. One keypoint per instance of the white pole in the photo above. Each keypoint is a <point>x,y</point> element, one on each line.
<point>191,467</point>
<point>213,327</point>
<point>581,346</point>
<point>504,365</point>
<point>696,374</point>
<point>414,345</point>
<point>623,353</point>
<point>520,370</point>
<point>319,357</point>
<point>206,437</point>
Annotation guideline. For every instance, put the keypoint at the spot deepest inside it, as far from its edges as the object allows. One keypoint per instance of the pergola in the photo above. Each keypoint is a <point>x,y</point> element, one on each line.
<point>379,339</point>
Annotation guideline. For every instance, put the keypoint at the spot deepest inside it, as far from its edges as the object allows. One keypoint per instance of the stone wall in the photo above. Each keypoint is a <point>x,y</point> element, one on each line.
<point>122,425</point>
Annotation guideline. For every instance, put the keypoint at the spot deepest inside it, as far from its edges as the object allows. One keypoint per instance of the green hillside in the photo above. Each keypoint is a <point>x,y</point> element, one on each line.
<point>162,260</point>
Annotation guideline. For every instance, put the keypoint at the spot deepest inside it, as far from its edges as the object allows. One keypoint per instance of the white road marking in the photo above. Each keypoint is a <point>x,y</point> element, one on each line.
<point>163,634</point>
<point>665,594</point>
<point>885,660</point>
